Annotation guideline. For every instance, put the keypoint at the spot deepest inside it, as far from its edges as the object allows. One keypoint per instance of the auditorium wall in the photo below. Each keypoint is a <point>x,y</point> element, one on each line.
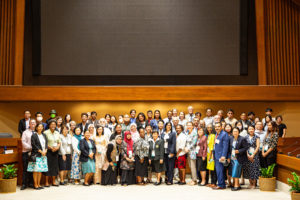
<point>12,112</point>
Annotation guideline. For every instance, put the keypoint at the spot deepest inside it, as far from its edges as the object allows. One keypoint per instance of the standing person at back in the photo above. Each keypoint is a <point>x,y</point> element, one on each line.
<point>220,154</point>
<point>190,116</point>
<point>84,124</point>
<point>24,123</point>
<point>209,116</point>
<point>230,118</point>
<point>27,179</point>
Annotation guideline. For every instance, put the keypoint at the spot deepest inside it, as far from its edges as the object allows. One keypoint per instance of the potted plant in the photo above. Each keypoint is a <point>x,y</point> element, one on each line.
<point>8,182</point>
<point>295,186</point>
<point>266,180</point>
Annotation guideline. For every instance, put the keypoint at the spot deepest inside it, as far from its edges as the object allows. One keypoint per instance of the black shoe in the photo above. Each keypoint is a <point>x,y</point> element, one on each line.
<point>31,186</point>
<point>61,183</point>
<point>85,184</point>
<point>55,185</point>
<point>23,187</point>
<point>181,183</point>
<point>41,188</point>
<point>200,184</point>
<point>46,185</point>
<point>37,188</point>
<point>235,189</point>
<point>157,183</point>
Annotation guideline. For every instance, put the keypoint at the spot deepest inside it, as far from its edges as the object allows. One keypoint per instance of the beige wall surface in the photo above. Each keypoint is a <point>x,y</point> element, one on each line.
<point>12,112</point>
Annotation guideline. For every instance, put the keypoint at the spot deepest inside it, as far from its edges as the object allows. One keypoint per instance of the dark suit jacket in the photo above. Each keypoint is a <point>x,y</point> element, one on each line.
<point>241,145</point>
<point>171,142</point>
<point>36,144</point>
<point>85,150</point>
<point>85,128</point>
<point>158,149</point>
<point>221,148</point>
<point>22,126</point>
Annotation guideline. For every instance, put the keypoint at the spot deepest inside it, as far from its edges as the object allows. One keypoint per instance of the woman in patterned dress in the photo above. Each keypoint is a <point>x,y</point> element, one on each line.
<point>101,142</point>
<point>39,149</point>
<point>76,169</point>
<point>251,171</point>
<point>127,161</point>
<point>191,144</point>
<point>141,151</point>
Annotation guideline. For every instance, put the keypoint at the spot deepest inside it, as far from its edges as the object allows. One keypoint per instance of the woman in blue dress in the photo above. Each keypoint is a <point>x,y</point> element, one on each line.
<point>87,157</point>
<point>238,155</point>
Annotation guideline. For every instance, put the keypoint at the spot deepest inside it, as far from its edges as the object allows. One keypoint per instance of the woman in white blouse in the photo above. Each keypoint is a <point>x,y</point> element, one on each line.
<point>101,142</point>
<point>64,154</point>
<point>76,169</point>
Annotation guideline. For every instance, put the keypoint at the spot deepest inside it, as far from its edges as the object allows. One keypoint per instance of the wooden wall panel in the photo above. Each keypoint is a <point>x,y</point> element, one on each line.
<point>150,93</point>
<point>282,40</point>
<point>11,41</point>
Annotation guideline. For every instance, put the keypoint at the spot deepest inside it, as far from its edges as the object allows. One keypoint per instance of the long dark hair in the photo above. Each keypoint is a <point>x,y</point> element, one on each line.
<point>97,134</point>
<point>159,114</point>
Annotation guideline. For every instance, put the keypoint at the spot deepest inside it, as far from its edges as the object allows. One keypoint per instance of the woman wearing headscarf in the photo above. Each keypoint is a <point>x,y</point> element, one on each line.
<point>75,168</point>
<point>87,157</point>
<point>141,151</point>
<point>133,132</point>
<point>110,170</point>
<point>127,160</point>
<point>101,142</point>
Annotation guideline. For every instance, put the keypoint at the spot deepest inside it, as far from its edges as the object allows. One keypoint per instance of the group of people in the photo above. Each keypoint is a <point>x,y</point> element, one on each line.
<point>220,151</point>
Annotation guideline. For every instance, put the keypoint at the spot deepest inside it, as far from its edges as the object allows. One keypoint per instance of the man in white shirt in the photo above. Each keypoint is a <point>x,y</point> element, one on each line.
<point>217,119</point>
<point>190,116</point>
<point>169,117</point>
<point>27,179</point>
<point>181,158</point>
<point>268,111</point>
<point>175,112</point>
<point>175,121</point>
<point>209,118</point>
<point>260,133</point>
<point>230,119</point>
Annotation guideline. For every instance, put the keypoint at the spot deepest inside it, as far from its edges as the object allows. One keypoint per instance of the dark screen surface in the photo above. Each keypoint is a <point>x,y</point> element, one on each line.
<point>140,37</point>
<point>32,70</point>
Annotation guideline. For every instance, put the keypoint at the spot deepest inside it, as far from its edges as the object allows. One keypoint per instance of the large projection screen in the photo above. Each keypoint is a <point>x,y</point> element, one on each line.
<point>140,37</point>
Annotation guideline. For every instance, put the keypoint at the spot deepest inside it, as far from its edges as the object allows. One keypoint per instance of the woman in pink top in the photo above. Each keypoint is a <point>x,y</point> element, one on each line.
<point>201,150</point>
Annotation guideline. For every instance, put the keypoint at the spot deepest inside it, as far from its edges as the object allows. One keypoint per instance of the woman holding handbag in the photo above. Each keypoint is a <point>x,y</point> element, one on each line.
<point>38,156</point>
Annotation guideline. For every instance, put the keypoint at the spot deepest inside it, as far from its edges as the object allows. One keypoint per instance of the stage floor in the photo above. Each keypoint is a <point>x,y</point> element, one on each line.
<point>149,192</point>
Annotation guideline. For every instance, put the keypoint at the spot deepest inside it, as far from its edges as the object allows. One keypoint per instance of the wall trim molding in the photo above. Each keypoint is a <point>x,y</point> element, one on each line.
<point>149,93</point>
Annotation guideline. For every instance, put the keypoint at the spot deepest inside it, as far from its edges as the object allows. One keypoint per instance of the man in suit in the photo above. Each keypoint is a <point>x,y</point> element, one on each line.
<point>24,123</point>
<point>190,116</point>
<point>220,154</point>
<point>84,125</point>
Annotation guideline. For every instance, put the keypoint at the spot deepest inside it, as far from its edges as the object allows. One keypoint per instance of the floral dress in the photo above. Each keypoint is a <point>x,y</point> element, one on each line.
<point>191,144</point>
<point>251,170</point>
<point>75,168</point>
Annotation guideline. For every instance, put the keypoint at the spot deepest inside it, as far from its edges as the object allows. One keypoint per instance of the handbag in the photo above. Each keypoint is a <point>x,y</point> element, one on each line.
<point>32,158</point>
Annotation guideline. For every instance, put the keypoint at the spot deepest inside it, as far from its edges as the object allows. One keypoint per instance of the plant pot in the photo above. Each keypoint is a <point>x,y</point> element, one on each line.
<point>295,195</point>
<point>8,185</point>
<point>267,184</point>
